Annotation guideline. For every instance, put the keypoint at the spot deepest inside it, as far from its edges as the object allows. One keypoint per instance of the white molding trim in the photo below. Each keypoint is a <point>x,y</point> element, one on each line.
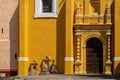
<point>39,11</point>
<point>23,59</point>
<point>108,15</point>
<point>116,58</point>
<point>78,34</point>
<point>101,15</point>
<point>89,15</point>
<point>93,30</point>
<point>78,15</point>
<point>108,34</point>
<point>68,59</point>
<point>45,15</point>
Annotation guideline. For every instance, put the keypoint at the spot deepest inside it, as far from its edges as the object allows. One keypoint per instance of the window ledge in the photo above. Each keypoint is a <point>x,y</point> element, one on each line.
<point>45,15</point>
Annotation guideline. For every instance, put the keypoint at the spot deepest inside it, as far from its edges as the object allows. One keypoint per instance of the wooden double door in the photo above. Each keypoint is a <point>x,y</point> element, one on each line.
<point>94,56</point>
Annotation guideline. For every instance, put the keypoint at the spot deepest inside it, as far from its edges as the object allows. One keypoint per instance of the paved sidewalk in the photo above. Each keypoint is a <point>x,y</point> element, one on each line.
<point>64,77</point>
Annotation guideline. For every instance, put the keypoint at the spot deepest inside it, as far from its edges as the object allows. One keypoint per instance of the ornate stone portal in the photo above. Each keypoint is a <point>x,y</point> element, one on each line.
<point>82,34</point>
<point>93,20</point>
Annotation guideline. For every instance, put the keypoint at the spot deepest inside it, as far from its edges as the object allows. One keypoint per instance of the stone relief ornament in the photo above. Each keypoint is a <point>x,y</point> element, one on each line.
<point>53,67</point>
<point>108,4</point>
<point>78,5</point>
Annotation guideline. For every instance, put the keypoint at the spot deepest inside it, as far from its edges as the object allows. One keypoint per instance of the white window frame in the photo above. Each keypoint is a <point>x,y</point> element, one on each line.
<point>39,9</point>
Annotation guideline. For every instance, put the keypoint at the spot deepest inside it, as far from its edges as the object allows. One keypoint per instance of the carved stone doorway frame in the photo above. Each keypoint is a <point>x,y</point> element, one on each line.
<point>84,50</point>
<point>81,36</point>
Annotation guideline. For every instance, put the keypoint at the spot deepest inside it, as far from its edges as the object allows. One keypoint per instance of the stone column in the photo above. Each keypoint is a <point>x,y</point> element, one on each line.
<point>23,59</point>
<point>69,60</point>
<point>108,62</point>
<point>78,53</point>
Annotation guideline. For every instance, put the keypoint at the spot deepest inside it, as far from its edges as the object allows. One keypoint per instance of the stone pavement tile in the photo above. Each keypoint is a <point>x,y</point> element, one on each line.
<point>64,77</point>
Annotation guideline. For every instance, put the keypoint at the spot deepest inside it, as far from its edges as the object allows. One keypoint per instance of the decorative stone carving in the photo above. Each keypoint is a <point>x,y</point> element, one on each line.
<point>108,12</point>
<point>45,65</point>
<point>78,5</point>
<point>78,12</point>
<point>108,4</point>
<point>34,68</point>
<point>77,61</point>
<point>108,16</point>
<point>108,62</point>
<point>53,67</point>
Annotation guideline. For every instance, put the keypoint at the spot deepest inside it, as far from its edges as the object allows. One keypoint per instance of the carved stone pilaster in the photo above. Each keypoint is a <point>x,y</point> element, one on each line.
<point>78,48</point>
<point>78,53</point>
<point>108,63</point>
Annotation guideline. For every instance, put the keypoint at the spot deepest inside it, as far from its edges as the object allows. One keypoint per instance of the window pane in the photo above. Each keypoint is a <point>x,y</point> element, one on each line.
<point>47,6</point>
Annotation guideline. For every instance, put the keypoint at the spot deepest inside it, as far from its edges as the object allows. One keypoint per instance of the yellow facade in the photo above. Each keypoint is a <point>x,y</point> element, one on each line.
<point>117,46</point>
<point>64,38</point>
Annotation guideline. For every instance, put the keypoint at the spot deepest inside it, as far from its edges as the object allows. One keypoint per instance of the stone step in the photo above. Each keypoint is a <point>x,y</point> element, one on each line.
<point>64,77</point>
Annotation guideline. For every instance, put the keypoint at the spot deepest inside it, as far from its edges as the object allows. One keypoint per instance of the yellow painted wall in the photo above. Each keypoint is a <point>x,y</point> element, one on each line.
<point>117,36</point>
<point>42,33</point>
<point>53,37</point>
<point>41,37</point>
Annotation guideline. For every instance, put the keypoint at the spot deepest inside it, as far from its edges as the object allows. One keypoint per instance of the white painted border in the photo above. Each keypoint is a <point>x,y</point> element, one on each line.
<point>39,11</point>
<point>23,59</point>
<point>116,58</point>
<point>69,59</point>
<point>78,15</point>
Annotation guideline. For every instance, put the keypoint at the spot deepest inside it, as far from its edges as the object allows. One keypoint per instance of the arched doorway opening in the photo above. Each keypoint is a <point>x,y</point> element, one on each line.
<point>94,56</point>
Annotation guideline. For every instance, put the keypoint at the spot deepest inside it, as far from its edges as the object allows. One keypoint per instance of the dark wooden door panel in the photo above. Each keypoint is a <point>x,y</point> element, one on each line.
<point>94,56</point>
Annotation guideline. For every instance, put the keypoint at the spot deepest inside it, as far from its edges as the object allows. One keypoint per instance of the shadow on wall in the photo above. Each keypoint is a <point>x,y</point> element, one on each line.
<point>112,36</point>
<point>14,34</point>
<point>117,70</point>
<point>60,38</point>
